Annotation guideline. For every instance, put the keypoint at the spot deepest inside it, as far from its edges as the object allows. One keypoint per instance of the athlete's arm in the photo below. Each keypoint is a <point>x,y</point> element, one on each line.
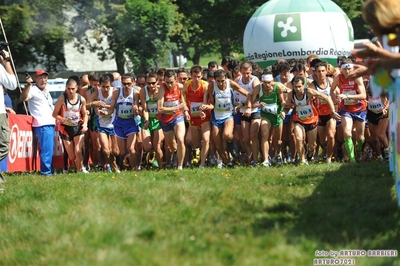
<point>142,97</point>
<point>281,89</point>
<point>255,97</point>
<point>208,101</point>
<point>314,93</point>
<point>335,90</point>
<point>248,95</point>
<point>362,95</point>
<point>57,108</point>
<point>183,101</point>
<point>288,104</point>
<point>84,115</point>
<point>111,109</point>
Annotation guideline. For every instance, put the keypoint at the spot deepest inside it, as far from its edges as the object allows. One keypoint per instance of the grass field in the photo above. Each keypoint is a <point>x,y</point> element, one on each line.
<point>241,216</point>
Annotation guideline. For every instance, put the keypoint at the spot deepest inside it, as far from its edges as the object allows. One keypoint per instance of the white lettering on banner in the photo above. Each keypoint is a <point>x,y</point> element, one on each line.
<point>21,144</point>
<point>58,147</point>
<point>296,53</point>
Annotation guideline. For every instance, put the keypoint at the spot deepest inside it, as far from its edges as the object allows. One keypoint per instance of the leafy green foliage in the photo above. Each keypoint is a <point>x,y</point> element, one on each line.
<point>135,30</point>
<point>36,31</point>
<point>351,8</point>
<point>213,26</point>
<point>139,33</point>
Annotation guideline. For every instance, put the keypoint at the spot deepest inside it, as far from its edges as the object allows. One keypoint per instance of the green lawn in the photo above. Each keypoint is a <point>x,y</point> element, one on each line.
<point>244,216</point>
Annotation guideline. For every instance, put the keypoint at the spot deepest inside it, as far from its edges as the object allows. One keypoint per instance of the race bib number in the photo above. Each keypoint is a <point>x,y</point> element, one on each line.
<point>304,112</point>
<point>171,104</point>
<point>195,108</point>
<point>236,99</point>
<point>375,104</point>
<point>271,108</point>
<point>125,111</point>
<point>152,109</point>
<point>223,105</point>
<point>73,118</point>
<point>350,101</point>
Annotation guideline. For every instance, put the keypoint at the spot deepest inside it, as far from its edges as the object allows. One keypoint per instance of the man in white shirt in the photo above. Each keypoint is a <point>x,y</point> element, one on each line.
<point>41,107</point>
<point>7,80</point>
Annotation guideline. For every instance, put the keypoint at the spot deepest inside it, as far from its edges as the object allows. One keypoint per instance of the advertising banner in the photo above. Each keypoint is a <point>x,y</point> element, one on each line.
<point>24,148</point>
<point>286,29</point>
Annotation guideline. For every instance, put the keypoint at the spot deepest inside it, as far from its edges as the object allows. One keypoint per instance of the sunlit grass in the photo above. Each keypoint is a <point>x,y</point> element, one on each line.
<point>244,216</point>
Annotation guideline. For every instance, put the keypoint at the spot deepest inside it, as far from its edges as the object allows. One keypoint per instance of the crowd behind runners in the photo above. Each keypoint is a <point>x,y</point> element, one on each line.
<point>297,111</point>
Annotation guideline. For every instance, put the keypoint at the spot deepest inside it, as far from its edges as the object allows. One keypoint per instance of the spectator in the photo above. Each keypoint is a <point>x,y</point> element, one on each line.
<point>41,107</point>
<point>8,102</point>
<point>7,79</point>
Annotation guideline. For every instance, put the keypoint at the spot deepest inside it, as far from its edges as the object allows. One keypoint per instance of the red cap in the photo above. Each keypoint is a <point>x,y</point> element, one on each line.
<point>41,72</point>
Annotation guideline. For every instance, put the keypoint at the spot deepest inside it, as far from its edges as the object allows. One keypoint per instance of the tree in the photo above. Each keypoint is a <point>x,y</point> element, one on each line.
<point>36,31</point>
<point>136,30</point>
<point>140,33</point>
<point>215,25</point>
<point>353,10</point>
<point>190,31</point>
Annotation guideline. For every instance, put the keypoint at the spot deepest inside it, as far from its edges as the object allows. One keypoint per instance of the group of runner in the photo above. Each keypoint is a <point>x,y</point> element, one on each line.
<point>296,111</point>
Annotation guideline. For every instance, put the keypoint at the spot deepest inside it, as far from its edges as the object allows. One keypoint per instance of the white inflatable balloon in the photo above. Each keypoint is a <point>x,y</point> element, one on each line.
<point>295,29</point>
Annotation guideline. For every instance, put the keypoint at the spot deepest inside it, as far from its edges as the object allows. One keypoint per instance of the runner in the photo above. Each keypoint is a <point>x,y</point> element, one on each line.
<point>250,126</point>
<point>70,110</point>
<point>91,140</point>
<point>108,140</point>
<point>270,96</point>
<point>195,91</point>
<point>220,93</point>
<point>326,123</point>
<point>152,133</point>
<point>305,116</point>
<point>125,104</point>
<point>378,122</point>
<point>351,95</point>
<point>171,106</point>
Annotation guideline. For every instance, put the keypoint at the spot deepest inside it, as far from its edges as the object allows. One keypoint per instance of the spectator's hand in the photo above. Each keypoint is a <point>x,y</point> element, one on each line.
<point>29,80</point>
<point>10,110</point>
<point>370,51</point>
<point>6,55</point>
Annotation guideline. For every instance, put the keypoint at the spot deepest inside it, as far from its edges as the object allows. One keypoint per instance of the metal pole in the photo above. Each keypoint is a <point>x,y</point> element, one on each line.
<point>12,63</point>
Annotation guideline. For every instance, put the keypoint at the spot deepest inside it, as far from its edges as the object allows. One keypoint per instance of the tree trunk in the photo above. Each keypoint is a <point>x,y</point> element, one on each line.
<point>120,65</point>
<point>196,56</point>
<point>175,54</point>
<point>120,60</point>
<point>225,47</point>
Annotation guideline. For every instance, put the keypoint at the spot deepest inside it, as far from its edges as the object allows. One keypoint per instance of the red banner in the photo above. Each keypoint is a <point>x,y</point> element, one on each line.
<point>23,155</point>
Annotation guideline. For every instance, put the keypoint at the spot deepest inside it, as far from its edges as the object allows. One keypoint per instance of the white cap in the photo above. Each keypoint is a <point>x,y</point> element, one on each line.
<point>347,65</point>
<point>267,77</point>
